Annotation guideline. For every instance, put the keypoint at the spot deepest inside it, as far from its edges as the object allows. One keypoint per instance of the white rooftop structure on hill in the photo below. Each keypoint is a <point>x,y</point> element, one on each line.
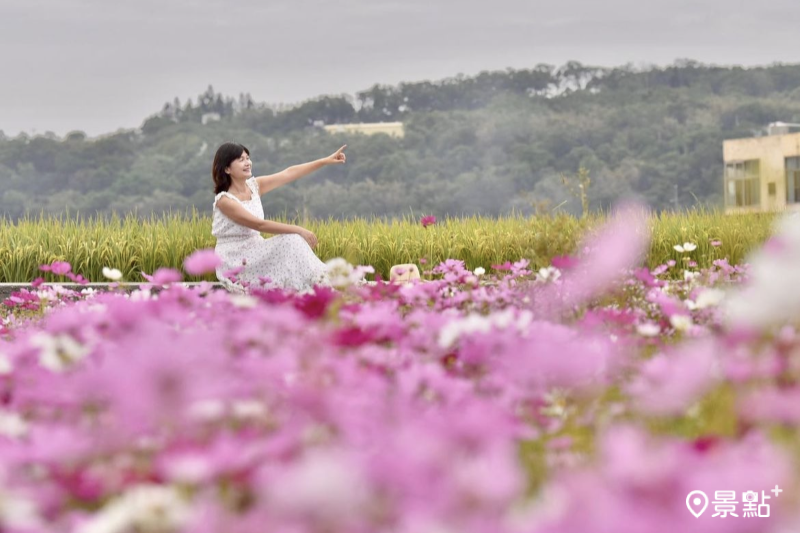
<point>394,129</point>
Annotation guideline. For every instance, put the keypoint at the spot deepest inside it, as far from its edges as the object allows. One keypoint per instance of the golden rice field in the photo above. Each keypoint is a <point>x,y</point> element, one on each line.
<point>134,245</point>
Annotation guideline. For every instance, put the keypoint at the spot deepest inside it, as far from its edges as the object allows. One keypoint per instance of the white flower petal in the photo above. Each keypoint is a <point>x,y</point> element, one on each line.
<point>12,425</point>
<point>244,301</point>
<point>112,273</point>
<point>5,365</point>
<point>681,322</point>
<point>710,298</point>
<point>648,329</point>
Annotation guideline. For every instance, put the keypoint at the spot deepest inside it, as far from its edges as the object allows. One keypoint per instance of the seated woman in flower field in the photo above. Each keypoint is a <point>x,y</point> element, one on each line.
<point>248,260</point>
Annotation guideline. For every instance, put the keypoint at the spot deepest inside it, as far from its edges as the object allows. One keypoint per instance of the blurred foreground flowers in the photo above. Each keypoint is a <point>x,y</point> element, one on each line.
<point>591,395</point>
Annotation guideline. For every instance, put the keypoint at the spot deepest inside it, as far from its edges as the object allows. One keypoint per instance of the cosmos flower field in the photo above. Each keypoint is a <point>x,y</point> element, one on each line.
<point>593,395</point>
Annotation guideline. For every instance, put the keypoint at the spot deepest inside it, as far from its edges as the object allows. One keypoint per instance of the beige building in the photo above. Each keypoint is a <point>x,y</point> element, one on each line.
<point>395,129</point>
<point>763,173</point>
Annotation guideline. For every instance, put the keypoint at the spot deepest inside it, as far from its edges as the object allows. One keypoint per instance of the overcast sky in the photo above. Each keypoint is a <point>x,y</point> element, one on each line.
<point>99,65</point>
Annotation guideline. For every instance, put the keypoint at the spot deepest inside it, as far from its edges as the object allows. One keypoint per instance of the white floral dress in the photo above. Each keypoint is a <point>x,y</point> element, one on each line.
<point>284,261</point>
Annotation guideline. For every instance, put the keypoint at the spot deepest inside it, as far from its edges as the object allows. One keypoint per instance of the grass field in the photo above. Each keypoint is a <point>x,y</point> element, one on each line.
<point>133,246</point>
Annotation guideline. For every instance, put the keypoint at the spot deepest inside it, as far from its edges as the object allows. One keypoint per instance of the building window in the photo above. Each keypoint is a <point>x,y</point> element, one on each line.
<point>742,183</point>
<point>792,180</point>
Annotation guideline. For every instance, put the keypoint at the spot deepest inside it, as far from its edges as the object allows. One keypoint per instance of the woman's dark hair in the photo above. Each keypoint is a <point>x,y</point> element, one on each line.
<point>226,154</point>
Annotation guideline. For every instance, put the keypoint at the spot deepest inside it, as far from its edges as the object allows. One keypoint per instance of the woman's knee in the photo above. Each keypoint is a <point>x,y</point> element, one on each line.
<point>299,238</point>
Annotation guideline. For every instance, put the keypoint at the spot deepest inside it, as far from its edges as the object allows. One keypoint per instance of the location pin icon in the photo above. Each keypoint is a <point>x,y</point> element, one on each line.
<point>697,501</point>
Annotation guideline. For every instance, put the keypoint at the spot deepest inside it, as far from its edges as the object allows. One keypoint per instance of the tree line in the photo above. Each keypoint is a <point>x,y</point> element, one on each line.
<point>494,143</point>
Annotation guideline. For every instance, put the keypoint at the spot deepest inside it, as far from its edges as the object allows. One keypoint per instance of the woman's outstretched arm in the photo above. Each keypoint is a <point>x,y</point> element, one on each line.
<point>295,172</point>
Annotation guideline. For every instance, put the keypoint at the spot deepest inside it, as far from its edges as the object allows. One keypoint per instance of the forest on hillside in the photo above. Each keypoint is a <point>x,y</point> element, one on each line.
<point>495,143</point>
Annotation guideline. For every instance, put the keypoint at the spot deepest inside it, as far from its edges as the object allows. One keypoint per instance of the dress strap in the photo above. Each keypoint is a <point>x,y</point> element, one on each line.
<point>253,184</point>
<point>224,193</point>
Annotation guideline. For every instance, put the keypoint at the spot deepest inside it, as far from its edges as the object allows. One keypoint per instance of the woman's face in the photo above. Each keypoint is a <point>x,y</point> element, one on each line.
<point>240,168</point>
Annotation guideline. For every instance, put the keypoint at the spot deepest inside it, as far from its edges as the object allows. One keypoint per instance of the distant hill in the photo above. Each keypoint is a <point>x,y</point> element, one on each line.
<point>490,144</point>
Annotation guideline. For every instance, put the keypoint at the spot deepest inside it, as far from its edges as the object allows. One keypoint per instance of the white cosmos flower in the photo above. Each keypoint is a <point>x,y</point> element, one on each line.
<point>709,298</point>
<point>57,352</point>
<point>549,274</point>
<point>112,273</point>
<point>142,508</point>
<point>770,297</point>
<point>480,271</point>
<point>58,289</point>
<point>338,265</point>
<point>476,323</point>
<point>342,274</point>
<point>248,409</point>
<point>359,273</point>
<point>648,329</point>
<point>12,425</point>
<point>191,468</point>
<point>688,275</point>
<point>94,308</point>
<point>244,301</point>
<point>207,410</point>
<point>5,365</point>
<point>472,323</point>
<point>18,512</point>
<point>47,295</point>
<point>687,247</point>
<point>681,322</point>
<point>142,295</point>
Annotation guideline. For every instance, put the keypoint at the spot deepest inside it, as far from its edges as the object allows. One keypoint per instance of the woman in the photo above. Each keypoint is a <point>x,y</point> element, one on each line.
<point>249,260</point>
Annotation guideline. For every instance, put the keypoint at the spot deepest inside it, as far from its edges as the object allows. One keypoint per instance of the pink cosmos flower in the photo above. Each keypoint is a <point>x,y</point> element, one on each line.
<point>428,221</point>
<point>504,266</point>
<point>564,262</point>
<point>163,276</point>
<point>520,268</point>
<point>77,278</point>
<point>609,252</point>
<point>771,406</point>
<point>59,268</point>
<point>646,277</point>
<point>234,272</point>
<point>669,383</point>
<point>641,483</point>
<point>202,262</point>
